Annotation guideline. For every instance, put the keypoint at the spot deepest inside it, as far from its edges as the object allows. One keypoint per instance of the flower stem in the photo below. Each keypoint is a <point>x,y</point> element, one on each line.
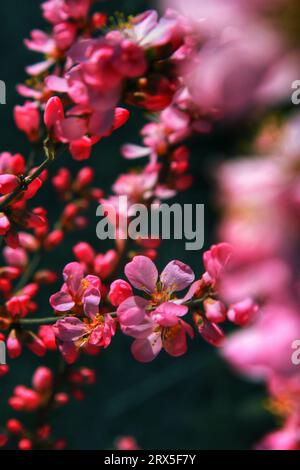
<point>50,157</point>
<point>39,321</point>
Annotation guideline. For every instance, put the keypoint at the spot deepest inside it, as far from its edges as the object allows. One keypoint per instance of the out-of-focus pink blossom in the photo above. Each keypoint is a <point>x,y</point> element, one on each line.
<point>264,348</point>
<point>27,119</point>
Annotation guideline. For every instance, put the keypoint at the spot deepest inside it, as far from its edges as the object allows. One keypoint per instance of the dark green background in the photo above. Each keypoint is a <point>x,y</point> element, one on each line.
<point>187,403</point>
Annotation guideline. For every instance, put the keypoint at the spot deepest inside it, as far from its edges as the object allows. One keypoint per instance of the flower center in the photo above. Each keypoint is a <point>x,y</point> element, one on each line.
<point>169,334</point>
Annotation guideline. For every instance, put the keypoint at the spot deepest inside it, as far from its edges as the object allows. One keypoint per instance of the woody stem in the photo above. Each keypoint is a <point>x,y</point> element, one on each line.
<point>50,157</point>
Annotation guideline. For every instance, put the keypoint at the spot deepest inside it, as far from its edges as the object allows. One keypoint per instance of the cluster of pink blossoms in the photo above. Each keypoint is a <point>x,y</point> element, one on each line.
<point>155,320</point>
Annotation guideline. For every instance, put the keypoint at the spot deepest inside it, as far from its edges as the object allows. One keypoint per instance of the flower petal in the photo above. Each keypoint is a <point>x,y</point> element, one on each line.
<point>142,273</point>
<point>211,332</point>
<point>177,276</point>
<point>61,301</point>
<point>132,311</point>
<point>176,344</point>
<point>145,350</point>
<point>194,288</point>
<point>73,275</point>
<point>69,352</point>
<point>91,301</point>
<point>167,314</point>
<point>131,152</point>
<point>140,331</point>
<point>69,329</point>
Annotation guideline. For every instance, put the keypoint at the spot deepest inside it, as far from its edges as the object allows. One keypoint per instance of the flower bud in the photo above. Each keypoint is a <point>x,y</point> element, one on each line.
<point>54,239</point>
<point>46,333</point>
<point>242,312</point>
<point>25,444</point>
<point>61,398</point>
<point>215,310</point>
<point>3,440</point>
<point>35,344</point>
<point>119,291</point>
<point>14,345</point>
<point>27,119</point>
<point>42,379</point>
<point>8,183</point>
<point>14,426</point>
<point>85,177</point>
<point>84,253</point>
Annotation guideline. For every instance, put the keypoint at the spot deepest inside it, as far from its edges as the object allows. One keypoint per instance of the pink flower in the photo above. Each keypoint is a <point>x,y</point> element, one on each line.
<point>15,256</point>
<point>73,334</point>
<point>60,128</point>
<point>264,348</point>
<point>242,312</point>
<point>57,11</point>
<point>43,43</point>
<point>149,32</point>
<point>156,323</point>
<point>95,82</point>
<point>215,261</point>
<point>80,296</point>
<point>79,122</point>
<point>27,118</point>
<point>64,35</point>
<point>77,292</point>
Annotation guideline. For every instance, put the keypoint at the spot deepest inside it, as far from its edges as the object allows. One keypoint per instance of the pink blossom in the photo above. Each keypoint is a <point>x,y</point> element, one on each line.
<point>215,310</point>
<point>95,83</point>
<point>81,296</point>
<point>14,345</point>
<point>215,261</point>
<point>286,438</point>
<point>84,253</point>
<point>15,257</point>
<point>73,334</point>
<point>149,32</point>
<point>77,292</point>
<point>264,349</point>
<point>57,11</point>
<point>27,119</point>
<point>60,128</point>
<point>42,379</point>
<point>64,35</point>
<point>156,323</point>
<point>242,312</point>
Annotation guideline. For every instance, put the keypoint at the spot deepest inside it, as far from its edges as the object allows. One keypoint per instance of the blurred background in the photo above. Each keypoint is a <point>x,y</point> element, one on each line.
<point>194,402</point>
